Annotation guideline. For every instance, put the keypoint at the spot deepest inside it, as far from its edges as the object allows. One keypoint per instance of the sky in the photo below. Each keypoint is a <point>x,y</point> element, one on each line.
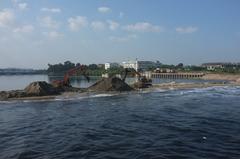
<point>34,33</point>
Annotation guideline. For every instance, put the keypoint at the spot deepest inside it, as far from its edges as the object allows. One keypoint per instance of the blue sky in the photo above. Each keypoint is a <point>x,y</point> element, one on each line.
<point>34,33</point>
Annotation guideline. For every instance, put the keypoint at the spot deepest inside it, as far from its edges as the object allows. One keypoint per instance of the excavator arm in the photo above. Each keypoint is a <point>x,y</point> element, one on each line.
<point>81,69</point>
<point>66,80</point>
<point>143,82</point>
<point>126,71</point>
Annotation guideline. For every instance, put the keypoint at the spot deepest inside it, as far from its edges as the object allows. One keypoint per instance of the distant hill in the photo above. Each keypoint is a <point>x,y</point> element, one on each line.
<point>19,71</point>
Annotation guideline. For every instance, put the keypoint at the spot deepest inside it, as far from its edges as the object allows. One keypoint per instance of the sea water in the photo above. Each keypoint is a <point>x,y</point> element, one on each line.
<point>165,124</point>
<point>193,123</point>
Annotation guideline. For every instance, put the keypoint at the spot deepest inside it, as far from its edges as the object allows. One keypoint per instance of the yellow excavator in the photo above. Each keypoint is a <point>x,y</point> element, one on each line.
<point>142,81</point>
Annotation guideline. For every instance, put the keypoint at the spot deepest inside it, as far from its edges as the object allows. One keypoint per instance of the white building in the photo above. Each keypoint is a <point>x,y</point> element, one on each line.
<point>130,64</point>
<point>109,65</point>
<point>213,66</point>
<point>138,65</point>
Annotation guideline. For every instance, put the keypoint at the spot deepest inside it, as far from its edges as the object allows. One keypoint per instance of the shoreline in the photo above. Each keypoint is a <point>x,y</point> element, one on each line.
<point>224,80</point>
<point>164,86</point>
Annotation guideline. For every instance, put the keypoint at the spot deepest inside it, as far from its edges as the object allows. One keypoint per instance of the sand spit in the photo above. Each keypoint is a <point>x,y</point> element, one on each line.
<point>86,93</point>
<point>174,85</point>
<point>225,77</point>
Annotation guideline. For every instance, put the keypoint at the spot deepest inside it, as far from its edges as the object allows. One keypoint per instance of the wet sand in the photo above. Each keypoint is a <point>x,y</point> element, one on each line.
<point>191,85</point>
<point>33,98</point>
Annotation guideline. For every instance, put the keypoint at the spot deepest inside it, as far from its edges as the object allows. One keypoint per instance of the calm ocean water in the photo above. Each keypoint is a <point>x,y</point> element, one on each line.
<point>174,124</point>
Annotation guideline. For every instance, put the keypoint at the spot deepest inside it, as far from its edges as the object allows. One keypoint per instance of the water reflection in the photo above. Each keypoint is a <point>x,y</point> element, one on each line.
<point>9,82</point>
<point>76,81</point>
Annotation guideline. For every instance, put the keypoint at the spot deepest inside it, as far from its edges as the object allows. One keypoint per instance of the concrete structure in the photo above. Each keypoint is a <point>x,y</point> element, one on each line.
<point>177,75</point>
<point>147,74</point>
<point>139,65</point>
<point>109,65</point>
<point>164,70</point>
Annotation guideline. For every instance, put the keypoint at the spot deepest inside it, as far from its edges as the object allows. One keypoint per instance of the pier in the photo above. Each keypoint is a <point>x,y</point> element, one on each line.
<point>175,75</point>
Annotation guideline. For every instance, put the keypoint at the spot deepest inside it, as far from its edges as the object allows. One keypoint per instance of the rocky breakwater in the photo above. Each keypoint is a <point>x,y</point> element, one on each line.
<point>110,84</point>
<point>34,89</point>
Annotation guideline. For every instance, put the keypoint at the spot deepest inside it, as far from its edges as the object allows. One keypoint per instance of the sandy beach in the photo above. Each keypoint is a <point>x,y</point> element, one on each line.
<point>226,77</point>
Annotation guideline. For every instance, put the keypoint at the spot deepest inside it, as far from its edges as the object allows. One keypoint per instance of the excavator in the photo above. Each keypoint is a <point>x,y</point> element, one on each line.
<point>142,81</point>
<point>66,80</point>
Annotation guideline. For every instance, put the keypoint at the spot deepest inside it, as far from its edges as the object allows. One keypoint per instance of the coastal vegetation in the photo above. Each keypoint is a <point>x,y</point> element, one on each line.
<point>98,69</point>
<point>91,69</point>
<point>17,71</point>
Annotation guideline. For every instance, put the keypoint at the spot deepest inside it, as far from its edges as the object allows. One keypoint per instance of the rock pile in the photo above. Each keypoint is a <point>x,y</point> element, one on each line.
<point>4,95</point>
<point>110,84</point>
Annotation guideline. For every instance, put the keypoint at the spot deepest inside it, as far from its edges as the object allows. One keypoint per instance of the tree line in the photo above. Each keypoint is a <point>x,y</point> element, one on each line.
<point>98,70</point>
<point>91,69</point>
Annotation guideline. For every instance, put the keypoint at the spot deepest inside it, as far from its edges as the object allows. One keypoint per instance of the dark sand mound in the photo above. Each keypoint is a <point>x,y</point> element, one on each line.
<point>110,84</point>
<point>40,88</point>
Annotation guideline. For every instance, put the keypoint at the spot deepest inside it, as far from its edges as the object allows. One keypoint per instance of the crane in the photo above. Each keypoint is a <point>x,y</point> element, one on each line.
<point>66,80</point>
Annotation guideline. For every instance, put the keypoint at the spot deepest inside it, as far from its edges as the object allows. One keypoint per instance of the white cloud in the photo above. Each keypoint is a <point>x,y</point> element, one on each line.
<point>121,15</point>
<point>143,27</point>
<point>186,30</point>
<point>48,22</point>
<point>104,9</point>
<point>7,18</point>
<point>15,1</point>
<point>53,34</point>
<point>113,25</point>
<point>52,10</point>
<point>122,39</point>
<point>98,25</point>
<point>22,6</point>
<point>77,23</point>
<point>24,29</point>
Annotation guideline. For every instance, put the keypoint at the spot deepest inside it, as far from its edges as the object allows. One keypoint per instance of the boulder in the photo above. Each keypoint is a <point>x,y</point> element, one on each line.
<point>4,95</point>
<point>40,88</point>
<point>110,84</point>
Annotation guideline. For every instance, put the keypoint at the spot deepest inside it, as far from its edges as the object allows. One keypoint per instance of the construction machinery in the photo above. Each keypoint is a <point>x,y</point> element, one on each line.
<point>142,81</point>
<point>81,69</point>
